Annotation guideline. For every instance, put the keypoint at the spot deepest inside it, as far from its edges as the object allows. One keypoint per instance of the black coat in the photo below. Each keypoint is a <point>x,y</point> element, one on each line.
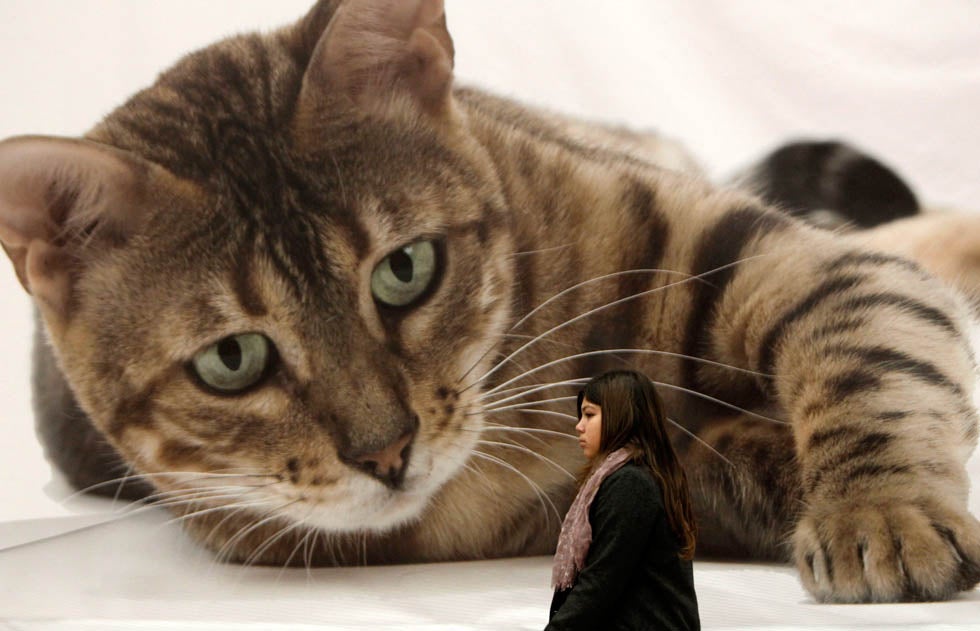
<point>633,578</point>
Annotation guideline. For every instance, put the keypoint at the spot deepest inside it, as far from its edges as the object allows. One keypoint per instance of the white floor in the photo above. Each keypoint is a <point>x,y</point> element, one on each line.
<point>141,572</point>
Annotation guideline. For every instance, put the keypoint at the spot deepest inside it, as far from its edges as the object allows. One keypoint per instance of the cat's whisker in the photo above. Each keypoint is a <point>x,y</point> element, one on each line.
<point>235,504</point>
<point>115,497</point>
<point>530,452</point>
<point>600,308</point>
<point>477,400</point>
<point>542,250</point>
<point>271,541</point>
<point>199,475</point>
<point>121,481</point>
<point>465,463</point>
<point>316,546</point>
<point>331,542</point>
<point>700,440</point>
<point>116,517</point>
<point>613,351</point>
<point>658,383</point>
<point>528,411</point>
<point>522,336</point>
<point>231,515</point>
<point>496,391</point>
<point>238,507</point>
<point>726,404</point>
<point>497,427</point>
<point>472,469</point>
<point>591,281</point>
<point>529,389</point>
<point>183,497</point>
<point>120,515</point>
<point>194,502</point>
<point>137,508</point>
<point>553,298</point>
<point>308,553</point>
<point>527,336</point>
<point>171,498</point>
<point>157,497</point>
<point>315,535</point>
<point>223,554</point>
<point>542,496</point>
<point>517,406</point>
<point>233,508</point>
<point>271,515</point>
<point>289,558</point>
<point>286,529</point>
<point>333,546</point>
<point>245,564</point>
<point>128,512</point>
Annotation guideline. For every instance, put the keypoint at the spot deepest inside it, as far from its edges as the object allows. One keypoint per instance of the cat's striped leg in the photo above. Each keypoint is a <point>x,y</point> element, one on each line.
<point>874,370</point>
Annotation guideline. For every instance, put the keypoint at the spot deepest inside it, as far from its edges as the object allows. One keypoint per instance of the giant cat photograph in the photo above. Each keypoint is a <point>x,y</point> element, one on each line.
<point>329,306</point>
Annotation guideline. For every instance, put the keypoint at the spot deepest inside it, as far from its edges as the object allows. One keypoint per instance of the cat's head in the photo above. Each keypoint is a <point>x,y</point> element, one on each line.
<point>286,258</point>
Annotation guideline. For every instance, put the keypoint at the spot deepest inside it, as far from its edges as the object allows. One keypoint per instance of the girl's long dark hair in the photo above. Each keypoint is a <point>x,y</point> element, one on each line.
<point>633,416</point>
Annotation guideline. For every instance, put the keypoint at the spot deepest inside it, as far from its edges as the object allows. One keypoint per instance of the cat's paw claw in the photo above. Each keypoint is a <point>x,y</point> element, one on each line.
<point>887,551</point>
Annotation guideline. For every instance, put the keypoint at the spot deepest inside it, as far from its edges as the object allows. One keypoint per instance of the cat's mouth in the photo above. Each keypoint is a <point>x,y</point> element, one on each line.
<point>359,501</point>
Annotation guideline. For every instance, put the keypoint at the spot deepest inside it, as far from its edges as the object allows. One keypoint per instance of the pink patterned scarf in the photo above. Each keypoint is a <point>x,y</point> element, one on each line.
<point>576,531</point>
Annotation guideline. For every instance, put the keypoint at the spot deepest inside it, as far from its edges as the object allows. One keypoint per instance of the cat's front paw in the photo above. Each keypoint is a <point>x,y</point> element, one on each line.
<point>886,550</point>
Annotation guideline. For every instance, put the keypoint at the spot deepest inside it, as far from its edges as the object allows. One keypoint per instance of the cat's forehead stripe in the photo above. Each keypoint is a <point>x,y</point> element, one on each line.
<point>353,234</point>
<point>243,284</point>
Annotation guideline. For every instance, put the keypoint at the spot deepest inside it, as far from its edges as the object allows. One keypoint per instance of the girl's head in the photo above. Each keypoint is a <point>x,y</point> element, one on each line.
<point>624,407</point>
<point>630,413</point>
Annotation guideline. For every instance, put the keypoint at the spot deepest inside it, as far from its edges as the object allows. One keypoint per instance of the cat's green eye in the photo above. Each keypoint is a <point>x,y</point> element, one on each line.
<point>404,275</point>
<point>234,363</point>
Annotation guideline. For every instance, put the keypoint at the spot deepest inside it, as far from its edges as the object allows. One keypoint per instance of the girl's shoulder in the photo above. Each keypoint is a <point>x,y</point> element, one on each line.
<point>631,478</point>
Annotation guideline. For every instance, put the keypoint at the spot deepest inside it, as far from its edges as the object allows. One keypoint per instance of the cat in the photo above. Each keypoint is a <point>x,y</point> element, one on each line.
<point>330,308</point>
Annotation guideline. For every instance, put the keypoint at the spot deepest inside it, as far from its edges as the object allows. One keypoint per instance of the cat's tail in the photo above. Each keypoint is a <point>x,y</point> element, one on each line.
<point>829,184</point>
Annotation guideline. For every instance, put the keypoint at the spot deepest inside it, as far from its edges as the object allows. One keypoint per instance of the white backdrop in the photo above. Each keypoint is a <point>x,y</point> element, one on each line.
<point>730,79</point>
<point>900,78</point>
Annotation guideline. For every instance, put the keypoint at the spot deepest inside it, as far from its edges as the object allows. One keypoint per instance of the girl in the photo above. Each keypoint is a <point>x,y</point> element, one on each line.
<point>624,556</point>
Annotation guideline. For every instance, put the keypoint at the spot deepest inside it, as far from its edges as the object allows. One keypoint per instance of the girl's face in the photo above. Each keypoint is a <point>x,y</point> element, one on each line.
<point>589,428</point>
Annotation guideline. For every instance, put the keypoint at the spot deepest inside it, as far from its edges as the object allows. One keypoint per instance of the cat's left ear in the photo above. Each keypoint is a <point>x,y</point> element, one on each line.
<point>61,198</point>
<point>375,53</point>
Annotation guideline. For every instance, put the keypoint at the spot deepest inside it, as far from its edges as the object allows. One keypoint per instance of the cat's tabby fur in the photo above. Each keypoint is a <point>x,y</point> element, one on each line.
<point>260,183</point>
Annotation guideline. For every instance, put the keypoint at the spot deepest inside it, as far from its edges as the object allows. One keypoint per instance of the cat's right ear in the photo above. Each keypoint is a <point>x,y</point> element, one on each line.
<point>376,55</point>
<point>58,196</point>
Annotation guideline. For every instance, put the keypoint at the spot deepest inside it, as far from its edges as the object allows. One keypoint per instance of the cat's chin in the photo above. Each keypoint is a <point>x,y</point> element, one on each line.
<point>376,512</point>
<point>367,505</point>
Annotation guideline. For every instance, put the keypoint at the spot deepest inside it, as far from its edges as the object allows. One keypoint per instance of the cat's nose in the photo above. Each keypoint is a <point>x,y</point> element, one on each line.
<point>388,465</point>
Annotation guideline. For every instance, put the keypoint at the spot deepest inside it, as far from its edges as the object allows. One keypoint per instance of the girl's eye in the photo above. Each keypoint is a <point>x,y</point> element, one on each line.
<point>404,275</point>
<point>234,363</point>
